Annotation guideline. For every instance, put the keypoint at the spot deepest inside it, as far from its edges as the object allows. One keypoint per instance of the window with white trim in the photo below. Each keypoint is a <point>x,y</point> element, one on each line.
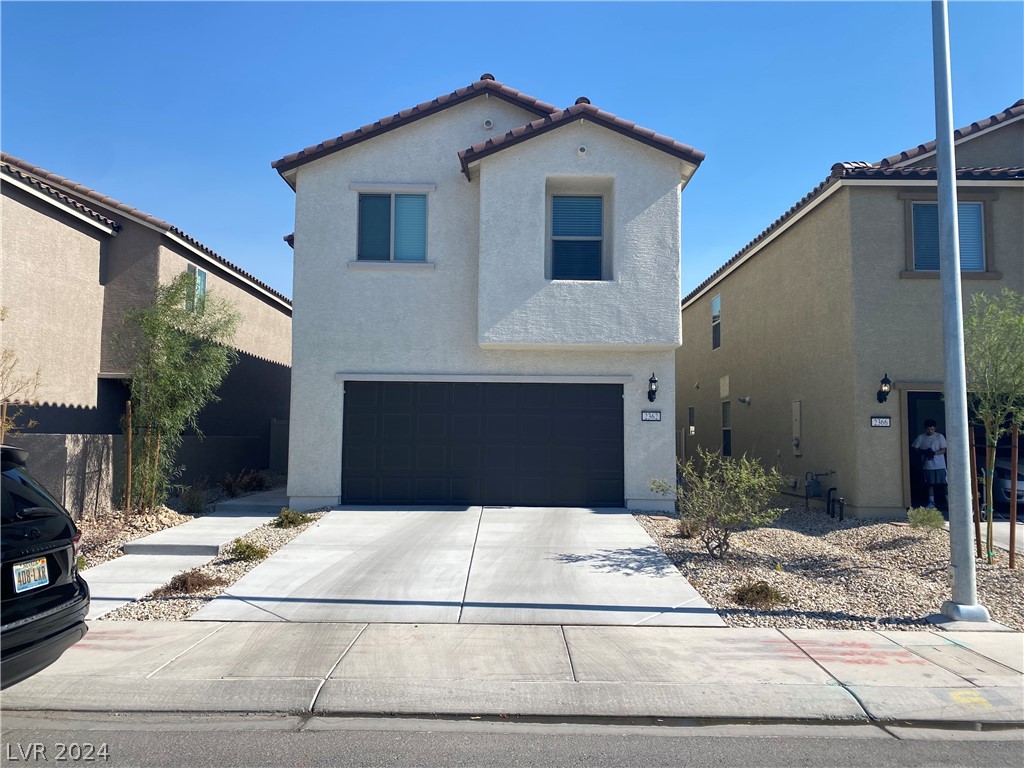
<point>925,222</point>
<point>716,322</point>
<point>196,300</point>
<point>392,227</point>
<point>577,237</point>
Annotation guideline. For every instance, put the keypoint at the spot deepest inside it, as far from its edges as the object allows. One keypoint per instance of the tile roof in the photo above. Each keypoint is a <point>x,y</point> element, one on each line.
<point>486,84</point>
<point>10,170</point>
<point>865,171</point>
<point>1014,110</point>
<point>856,170</point>
<point>884,169</point>
<point>109,202</point>
<point>582,109</point>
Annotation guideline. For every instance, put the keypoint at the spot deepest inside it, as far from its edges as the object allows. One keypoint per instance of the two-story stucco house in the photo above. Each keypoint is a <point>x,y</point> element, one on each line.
<point>785,346</point>
<point>484,287</point>
<point>72,261</point>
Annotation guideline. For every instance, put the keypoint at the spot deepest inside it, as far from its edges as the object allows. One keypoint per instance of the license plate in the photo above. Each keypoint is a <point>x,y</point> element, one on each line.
<point>30,575</point>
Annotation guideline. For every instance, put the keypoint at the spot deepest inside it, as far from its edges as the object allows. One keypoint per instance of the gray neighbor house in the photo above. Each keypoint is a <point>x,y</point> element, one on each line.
<point>72,261</point>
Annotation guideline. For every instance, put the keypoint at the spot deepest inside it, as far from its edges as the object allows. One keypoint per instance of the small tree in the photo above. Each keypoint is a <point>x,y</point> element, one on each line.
<point>994,350</point>
<point>17,389</point>
<point>181,356</point>
<point>724,495</point>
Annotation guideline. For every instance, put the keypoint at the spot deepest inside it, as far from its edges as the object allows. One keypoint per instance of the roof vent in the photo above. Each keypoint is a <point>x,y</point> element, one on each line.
<point>582,100</point>
<point>486,76</point>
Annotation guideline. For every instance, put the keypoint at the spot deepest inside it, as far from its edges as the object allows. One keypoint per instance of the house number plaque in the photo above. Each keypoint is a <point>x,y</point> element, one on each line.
<point>881,421</point>
<point>650,415</point>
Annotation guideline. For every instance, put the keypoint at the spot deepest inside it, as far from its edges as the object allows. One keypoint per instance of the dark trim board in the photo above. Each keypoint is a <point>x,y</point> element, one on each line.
<point>483,443</point>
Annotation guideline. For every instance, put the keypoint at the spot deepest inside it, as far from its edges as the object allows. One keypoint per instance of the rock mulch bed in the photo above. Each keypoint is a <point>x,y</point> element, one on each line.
<point>850,575</point>
<point>102,538</point>
<point>223,567</point>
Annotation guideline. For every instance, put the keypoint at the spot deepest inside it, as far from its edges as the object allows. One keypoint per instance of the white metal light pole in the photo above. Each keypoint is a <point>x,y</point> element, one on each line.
<point>964,605</point>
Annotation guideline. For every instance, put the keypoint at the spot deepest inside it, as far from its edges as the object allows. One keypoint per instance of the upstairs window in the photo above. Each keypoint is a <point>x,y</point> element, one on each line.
<point>196,301</point>
<point>577,237</point>
<point>392,227</point>
<point>926,237</point>
<point>716,322</point>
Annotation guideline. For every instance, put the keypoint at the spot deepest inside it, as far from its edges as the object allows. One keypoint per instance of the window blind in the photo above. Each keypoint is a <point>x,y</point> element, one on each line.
<point>926,236</point>
<point>410,227</point>
<point>374,227</point>
<point>576,216</point>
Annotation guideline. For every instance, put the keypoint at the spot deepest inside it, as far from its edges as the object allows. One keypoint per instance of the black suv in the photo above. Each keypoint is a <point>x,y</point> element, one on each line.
<point>43,599</point>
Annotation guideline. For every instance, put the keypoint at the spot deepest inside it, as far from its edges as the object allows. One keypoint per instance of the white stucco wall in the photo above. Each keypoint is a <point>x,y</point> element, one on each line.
<point>639,305</point>
<point>395,319</point>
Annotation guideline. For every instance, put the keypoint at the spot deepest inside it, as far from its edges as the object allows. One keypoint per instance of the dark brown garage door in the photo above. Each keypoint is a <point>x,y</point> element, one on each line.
<point>477,443</point>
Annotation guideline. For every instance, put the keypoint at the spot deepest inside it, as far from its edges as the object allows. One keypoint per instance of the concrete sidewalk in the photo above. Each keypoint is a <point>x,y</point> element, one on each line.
<point>549,671</point>
<point>151,561</point>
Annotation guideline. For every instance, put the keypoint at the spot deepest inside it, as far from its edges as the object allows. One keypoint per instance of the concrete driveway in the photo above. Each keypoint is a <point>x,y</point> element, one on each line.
<point>473,565</point>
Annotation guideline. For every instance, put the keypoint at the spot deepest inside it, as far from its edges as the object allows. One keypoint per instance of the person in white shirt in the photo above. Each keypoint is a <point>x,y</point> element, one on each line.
<point>932,446</point>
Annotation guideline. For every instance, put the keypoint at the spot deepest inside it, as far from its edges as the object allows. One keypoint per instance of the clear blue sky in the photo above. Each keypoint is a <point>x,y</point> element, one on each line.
<point>179,108</point>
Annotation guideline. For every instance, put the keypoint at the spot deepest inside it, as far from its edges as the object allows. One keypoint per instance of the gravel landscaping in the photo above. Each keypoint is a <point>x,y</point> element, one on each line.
<point>850,575</point>
<point>224,567</point>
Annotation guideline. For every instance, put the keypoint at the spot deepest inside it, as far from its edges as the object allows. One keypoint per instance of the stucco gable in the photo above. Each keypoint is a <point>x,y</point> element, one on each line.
<point>583,110</point>
<point>486,85</point>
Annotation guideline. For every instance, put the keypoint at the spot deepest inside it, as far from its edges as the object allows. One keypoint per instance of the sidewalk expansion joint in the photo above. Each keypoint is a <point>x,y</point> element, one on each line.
<point>469,571</point>
<point>838,682</point>
<point>568,655</point>
<point>198,642</point>
<point>316,693</point>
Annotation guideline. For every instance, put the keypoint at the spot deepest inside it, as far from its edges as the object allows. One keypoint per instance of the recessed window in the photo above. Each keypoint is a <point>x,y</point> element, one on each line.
<point>716,322</point>
<point>691,419</point>
<point>196,301</point>
<point>726,428</point>
<point>577,237</point>
<point>392,227</point>
<point>926,237</point>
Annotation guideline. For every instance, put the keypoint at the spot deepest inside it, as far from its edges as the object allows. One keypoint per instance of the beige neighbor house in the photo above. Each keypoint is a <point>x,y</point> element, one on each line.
<point>484,286</point>
<point>72,260</point>
<point>785,346</point>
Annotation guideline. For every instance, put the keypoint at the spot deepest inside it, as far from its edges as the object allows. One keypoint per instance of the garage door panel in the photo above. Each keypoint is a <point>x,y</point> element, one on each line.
<point>432,397</point>
<point>360,458</point>
<point>396,395</point>
<point>361,490</point>
<point>483,443</point>
<point>467,427</point>
<point>533,428</point>
<point>466,460</point>
<point>500,427</point>
<point>431,427</point>
<point>396,426</point>
<point>396,458</point>
<point>431,458</point>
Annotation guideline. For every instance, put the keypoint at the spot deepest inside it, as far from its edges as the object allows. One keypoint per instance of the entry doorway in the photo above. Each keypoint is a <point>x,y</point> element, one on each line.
<point>920,407</point>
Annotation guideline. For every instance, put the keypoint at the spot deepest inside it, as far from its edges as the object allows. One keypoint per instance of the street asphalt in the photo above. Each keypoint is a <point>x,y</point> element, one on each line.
<point>523,646</point>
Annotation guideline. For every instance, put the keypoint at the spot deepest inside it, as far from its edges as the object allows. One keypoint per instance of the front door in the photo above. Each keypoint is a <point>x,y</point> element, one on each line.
<point>922,406</point>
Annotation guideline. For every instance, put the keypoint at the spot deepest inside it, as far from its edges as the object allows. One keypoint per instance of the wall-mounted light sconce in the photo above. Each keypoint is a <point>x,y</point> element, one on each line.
<point>745,399</point>
<point>884,388</point>
<point>652,388</point>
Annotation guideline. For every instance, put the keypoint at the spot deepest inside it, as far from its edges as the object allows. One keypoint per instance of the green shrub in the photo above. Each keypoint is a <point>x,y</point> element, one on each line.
<point>193,497</point>
<point>758,594</point>
<point>245,550</point>
<point>290,518</point>
<point>926,518</point>
<point>188,583</point>
<point>80,563</point>
<point>229,485</point>
<point>689,528</point>
<point>722,495</point>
